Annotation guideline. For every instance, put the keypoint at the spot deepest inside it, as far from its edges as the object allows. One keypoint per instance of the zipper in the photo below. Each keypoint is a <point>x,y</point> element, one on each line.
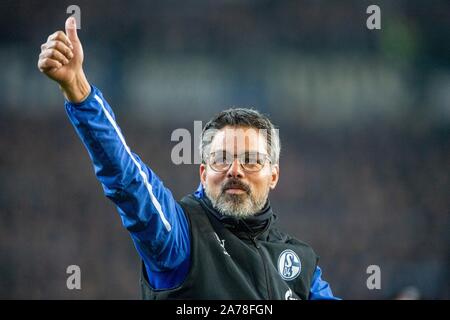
<point>258,247</point>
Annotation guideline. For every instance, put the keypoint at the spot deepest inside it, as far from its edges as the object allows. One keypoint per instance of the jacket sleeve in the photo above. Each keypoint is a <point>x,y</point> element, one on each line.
<point>320,289</point>
<point>156,222</point>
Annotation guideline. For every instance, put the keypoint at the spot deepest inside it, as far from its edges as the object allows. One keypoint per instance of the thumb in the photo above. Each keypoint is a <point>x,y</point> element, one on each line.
<point>71,29</point>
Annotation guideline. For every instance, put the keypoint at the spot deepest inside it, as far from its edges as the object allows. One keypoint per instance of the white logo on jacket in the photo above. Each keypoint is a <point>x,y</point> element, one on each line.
<point>289,295</point>
<point>222,244</point>
<point>289,265</point>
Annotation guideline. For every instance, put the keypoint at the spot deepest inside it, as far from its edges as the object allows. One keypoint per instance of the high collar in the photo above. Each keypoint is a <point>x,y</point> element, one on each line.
<point>252,226</point>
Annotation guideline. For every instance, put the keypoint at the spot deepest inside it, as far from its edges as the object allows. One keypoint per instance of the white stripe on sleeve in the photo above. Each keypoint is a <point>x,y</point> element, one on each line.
<point>141,172</point>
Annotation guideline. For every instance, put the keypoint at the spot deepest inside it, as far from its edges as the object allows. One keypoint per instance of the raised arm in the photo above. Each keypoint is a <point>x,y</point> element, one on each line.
<point>156,222</point>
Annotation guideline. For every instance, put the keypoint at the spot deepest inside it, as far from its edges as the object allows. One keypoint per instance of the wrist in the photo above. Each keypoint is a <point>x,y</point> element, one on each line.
<point>77,90</point>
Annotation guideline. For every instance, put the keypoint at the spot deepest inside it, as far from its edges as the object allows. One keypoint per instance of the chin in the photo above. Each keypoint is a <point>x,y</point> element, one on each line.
<point>236,205</point>
<point>231,204</point>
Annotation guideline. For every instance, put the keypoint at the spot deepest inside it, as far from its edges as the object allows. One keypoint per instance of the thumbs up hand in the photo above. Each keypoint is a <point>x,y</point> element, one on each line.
<point>61,59</point>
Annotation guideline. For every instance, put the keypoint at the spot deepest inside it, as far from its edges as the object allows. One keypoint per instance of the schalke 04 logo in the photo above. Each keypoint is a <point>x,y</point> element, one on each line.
<point>289,265</point>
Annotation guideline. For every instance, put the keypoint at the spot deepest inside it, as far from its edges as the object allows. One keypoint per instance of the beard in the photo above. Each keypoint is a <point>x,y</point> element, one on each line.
<point>238,205</point>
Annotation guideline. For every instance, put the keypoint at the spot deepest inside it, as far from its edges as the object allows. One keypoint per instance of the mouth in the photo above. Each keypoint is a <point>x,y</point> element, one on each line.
<point>235,191</point>
<point>236,188</point>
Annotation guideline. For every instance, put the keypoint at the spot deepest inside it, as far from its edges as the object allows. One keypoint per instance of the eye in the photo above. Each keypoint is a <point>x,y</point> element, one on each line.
<point>221,158</point>
<point>252,158</point>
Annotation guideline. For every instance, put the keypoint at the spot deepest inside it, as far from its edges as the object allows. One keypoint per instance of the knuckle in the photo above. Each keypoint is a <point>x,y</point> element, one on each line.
<point>44,54</point>
<point>55,45</point>
<point>50,54</point>
<point>59,45</point>
<point>54,35</point>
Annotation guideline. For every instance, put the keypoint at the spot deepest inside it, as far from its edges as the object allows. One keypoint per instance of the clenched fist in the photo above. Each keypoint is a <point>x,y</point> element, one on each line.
<point>61,59</point>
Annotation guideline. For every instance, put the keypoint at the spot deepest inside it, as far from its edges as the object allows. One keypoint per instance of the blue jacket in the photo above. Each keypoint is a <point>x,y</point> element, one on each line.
<point>156,222</point>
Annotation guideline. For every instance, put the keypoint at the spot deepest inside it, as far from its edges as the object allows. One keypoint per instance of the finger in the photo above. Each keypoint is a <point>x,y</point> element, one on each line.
<point>61,47</point>
<point>71,29</point>
<point>61,36</point>
<point>55,55</point>
<point>47,64</point>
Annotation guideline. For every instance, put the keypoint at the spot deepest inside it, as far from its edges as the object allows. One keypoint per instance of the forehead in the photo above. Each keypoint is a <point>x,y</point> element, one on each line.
<point>239,139</point>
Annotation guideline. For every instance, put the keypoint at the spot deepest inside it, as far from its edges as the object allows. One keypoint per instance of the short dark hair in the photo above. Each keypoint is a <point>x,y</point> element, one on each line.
<point>242,117</point>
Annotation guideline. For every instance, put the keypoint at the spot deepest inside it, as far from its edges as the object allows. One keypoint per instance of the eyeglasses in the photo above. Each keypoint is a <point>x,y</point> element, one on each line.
<point>221,161</point>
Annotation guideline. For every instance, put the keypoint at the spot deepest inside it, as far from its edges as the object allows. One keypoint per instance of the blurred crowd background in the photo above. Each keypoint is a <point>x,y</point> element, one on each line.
<point>364,119</point>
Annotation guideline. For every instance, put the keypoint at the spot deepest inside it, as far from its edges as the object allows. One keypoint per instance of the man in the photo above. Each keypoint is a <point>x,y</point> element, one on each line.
<point>220,242</point>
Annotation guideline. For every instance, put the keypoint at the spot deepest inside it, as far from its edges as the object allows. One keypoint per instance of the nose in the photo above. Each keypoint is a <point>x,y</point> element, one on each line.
<point>235,170</point>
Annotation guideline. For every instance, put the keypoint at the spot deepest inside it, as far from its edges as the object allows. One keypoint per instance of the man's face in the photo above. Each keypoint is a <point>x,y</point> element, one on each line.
<point>236,191</point>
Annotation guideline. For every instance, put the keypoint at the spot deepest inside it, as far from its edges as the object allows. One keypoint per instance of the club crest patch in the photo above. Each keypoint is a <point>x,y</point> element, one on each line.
<point>289,265</point>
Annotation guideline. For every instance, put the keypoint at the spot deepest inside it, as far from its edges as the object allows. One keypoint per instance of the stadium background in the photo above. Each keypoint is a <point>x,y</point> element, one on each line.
<point>364,120</point>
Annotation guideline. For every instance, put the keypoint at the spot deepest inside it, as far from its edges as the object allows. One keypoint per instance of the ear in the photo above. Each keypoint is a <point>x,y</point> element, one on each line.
<point>202,171</point>
<point>274,176</point>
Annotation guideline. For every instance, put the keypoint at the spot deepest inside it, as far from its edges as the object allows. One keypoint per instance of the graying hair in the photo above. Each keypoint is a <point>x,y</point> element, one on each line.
<point>241,117</point>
